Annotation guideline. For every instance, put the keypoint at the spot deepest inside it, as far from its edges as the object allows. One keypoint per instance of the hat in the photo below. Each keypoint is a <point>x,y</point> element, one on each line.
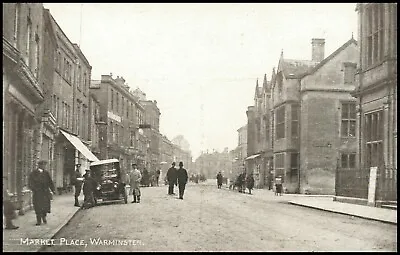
<point>181,163</point>
<point>173,163</point>
<point>134,164</point>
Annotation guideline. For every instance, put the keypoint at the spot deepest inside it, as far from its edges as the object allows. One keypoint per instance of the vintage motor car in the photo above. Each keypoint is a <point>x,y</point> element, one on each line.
<point>111,186</point>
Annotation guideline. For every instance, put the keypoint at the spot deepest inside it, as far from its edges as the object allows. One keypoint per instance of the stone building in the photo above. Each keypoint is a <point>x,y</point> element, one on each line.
<point>120,118</point>
<point>166,155</point>
<point>67,100</point>
<point>301,126</point>
<point>152,117</point>
<point>375,180</point>
<point>22,93</point>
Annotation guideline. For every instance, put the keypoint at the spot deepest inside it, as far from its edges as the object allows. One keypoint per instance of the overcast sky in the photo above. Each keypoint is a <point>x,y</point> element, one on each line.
<point>201,61</point>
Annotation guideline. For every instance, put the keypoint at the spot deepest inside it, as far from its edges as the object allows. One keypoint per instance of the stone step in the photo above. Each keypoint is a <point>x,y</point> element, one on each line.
<point>393,207</point>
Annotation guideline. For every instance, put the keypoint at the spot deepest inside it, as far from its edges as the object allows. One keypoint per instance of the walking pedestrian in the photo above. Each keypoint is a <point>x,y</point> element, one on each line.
<point>89,186</point>
<point>278,186</point>
<point>42,188</point>
<point>182,177</point>
<point>158,172</point>
<point>9,210</point>
<point>250,182</point>
<point>77,182</point>
<point>134,181</point>
<point>171,178</point>
<point>219,180</point>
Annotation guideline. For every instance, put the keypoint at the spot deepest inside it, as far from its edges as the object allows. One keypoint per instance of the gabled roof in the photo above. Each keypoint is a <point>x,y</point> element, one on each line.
<point>326,60</point>
<point>294,68</point>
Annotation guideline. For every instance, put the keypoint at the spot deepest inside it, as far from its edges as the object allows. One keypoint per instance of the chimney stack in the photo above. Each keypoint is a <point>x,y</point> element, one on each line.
<point>318,49</point>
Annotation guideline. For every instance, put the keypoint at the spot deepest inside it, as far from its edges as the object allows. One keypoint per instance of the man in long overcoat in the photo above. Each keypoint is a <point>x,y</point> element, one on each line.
<point>182,177</point>
<point>219,180</point>
<point>42,188</point>
<point>89,187</point>
<point>250,182</point>
<point>171,178</point>
<point>134,181</point>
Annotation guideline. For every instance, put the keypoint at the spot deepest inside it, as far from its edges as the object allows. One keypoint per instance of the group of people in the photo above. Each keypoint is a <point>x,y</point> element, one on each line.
<point>85,183</point>
<point>177,177</point>
<point>150,178</point>
<point>242,182</point>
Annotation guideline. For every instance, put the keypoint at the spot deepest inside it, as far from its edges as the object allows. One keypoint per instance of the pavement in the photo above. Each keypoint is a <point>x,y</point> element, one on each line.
<point>29,237</point>
<point>23,239</point>
<point>326,203</point>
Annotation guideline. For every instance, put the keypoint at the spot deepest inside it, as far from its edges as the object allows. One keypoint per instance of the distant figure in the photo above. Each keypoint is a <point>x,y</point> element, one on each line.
<point>278,186</point>
<point>219,180</point>
<point>146,178</point>
<point>134,181</point>
<point>182,177</point>
<point>171,178</point>
<point>9,209</point>
<point>250,182</point>
<point>89,187</point>
<point>42,187</point>
<point>77,181</point>
<point>158,172</point>
<point>240,182</point>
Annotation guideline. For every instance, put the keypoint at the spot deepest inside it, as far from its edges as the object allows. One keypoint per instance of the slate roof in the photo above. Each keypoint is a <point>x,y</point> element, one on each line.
<point>293,68</point>
<point>326,60</point>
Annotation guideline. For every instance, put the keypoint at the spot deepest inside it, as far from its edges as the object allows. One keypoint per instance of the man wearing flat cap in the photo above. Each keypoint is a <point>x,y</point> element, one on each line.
<point>42,188</point>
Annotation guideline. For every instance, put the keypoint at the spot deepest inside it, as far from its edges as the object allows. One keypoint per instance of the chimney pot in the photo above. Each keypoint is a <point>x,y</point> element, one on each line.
<point>318,49</point>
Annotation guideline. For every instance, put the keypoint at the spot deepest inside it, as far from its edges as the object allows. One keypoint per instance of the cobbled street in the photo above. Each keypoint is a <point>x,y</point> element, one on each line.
<point>211,219</point>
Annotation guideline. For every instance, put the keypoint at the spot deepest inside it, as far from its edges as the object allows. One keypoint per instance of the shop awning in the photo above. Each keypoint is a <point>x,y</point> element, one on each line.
<point>77,143</point>
<point>252,156</point>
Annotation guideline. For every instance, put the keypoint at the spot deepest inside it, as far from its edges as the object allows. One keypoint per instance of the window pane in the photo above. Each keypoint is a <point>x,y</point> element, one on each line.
<point>344,161</point>
<point>352,160</point>
<point>352,111</point>
<point>344,127</point>
<point>352,131</point>
<point>345,111</point>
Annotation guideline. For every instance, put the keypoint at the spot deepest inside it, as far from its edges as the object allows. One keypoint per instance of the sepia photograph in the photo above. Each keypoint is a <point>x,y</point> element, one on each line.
<point>199,127</point>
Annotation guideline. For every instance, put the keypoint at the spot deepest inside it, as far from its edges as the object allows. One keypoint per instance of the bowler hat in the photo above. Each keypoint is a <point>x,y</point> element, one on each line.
<point>181,163</point>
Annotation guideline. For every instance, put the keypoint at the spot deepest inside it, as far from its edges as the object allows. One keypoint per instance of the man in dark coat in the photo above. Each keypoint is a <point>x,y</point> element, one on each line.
<point>77,181</point>
<point>42,188</point>
<point>182,177</point>
<point>158,172</point>
<point>219,180</point>
<point>250,182</point>
<point>171,178</point>
<point>89,186</point>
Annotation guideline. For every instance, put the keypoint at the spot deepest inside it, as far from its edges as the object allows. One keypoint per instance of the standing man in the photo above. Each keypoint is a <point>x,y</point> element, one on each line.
<point>182,179</point>
<point>250,182</point>
<point>219,180</point>
<point>42,188</point>
<point>89,187</point>
<point>158,172</point>
<point>134,181</point>
<point>77,181</point>
<point>171,178</point>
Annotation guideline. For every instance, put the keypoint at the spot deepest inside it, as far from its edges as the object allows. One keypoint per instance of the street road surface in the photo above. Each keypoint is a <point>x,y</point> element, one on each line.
<point>211,219</point>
